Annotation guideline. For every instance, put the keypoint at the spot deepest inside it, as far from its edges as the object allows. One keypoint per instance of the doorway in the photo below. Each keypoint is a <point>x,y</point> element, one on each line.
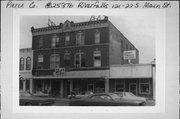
<point>133,88</point>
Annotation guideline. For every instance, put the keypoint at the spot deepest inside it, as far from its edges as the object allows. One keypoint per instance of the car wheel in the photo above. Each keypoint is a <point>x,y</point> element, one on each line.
<point>28,104</point>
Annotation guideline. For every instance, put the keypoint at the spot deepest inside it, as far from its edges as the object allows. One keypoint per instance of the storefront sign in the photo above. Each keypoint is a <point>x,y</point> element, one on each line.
<point>131,54</point>
<point>59,71</point>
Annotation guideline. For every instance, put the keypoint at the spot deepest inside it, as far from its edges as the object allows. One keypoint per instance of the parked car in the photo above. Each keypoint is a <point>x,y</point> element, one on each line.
<point>78,96</point>
<point>27,99</point>
<point>130,97</point>
<point>40,94</point>
<point>103,99</point>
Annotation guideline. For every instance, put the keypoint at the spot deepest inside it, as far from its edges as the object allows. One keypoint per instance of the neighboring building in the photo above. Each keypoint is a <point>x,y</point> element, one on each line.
<point>25,68</point>
<point>81,56</point>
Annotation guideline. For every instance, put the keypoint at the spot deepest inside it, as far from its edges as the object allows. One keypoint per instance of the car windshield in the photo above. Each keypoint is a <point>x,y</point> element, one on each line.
<point>115,96</point>
<point>128,94</point>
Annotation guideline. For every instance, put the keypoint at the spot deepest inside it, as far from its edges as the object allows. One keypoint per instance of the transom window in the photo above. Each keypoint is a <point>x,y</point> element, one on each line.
<point>55,41</point>
<point>54,61</point>
<point>21,63</point>
<point>80,59</point>
<point>28,63</point>
<point>97,36</point>
<point>67,39</point>
<point>80,37</point>
<point>40,61</point>
<point>97,58</point>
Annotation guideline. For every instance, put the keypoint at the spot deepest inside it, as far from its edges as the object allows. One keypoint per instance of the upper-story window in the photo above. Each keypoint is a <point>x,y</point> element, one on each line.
<point>67,59</point>
<point>97,58</point>
<point>97,37</point>
<point>80,59</point>
<point>40,43</point>
<point>28,63</point>
<point>54,61</point>
<point>40,61</point>
<point>21,63</point>
<point>80,38</point>
<point>55,41</point>
<point>67,39</point>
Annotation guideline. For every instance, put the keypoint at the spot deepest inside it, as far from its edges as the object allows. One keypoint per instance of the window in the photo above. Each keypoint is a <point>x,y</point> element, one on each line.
<point>55,41</point>
<point>144,86</point>
<point>67,39</point>
<point>21,63</point>
<point>97,36</point>
<point>67,59</point>
<point>40,61</point>
<point>54,61</point>
<point>80,59</point>
<point>28,63</point>
<point>40,43</point>
<point>80,37</point>
<point>97,58</point>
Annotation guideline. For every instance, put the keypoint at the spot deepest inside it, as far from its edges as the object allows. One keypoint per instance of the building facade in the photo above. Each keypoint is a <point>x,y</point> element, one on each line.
<point>79,57</point>
<point>25,68</point>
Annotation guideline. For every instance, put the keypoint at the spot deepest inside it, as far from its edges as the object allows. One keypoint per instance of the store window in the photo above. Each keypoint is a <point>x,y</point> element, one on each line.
<point>55,41</point>
<point>28,63</point>
<point>54,61</point>
<point>67,39</point>
<point>27,85</point>
<point>144,86</point>
<point>80,37</point>
<point>40,43</point>
<point>97,37</point>
<point>97,58</point>
<point>21,63</point>
<point>67,59</point>
<point>80,59</point>
<point>40,61</point>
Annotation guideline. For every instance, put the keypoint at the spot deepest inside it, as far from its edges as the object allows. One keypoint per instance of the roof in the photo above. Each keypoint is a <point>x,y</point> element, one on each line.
<point>70,25</point>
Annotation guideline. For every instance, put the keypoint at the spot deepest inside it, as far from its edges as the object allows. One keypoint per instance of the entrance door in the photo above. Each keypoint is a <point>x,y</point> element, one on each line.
<point>133,88</point>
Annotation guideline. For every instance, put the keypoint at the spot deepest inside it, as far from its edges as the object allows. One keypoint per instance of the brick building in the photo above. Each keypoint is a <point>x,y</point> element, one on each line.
<point>79,57</point>
<point>25,68</point>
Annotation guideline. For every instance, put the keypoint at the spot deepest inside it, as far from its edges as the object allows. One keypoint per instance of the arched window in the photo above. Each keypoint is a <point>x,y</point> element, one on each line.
<point>67,59</point>
<point>28,63</point>
<point>21,63</point>
<point>54,61</point>
<point>40,61</point>
<point>55,41</point>
<point>67,39</point>
<point>97,58</point>
<point>79,59</point>
<point>80,38</point>
<point>97,36</point>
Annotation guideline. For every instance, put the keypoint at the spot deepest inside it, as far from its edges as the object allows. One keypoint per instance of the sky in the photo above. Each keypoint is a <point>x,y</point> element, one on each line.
<point>139,30</point>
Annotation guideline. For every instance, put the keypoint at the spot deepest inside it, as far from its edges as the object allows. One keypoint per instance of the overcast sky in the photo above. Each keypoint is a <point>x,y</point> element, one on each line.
<point>140,31</point>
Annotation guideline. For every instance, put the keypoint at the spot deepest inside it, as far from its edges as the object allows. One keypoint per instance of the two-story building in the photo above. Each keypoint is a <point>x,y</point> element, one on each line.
<point>80,57</point>
<point>25,68</point>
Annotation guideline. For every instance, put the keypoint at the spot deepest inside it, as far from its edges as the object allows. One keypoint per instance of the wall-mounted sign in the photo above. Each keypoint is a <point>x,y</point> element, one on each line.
<point>128,55</point>
<point>59,71</point>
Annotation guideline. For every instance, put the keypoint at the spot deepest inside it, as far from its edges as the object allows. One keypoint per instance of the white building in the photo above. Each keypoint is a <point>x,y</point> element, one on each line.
<point>25,68</point>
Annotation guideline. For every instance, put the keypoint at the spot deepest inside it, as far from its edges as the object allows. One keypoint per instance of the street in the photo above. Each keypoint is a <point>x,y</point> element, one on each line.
<point>65,102</point>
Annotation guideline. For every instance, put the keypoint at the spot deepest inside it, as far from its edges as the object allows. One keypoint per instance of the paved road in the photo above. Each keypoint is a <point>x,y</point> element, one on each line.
<point>65,102</point>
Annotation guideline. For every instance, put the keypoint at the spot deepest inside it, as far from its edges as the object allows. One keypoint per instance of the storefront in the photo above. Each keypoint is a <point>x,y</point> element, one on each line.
<point>77,81</point>
<point>136,78</point>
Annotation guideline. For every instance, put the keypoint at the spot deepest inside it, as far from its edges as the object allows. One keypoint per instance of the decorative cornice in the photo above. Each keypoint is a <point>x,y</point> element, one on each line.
<point>73,27</point>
